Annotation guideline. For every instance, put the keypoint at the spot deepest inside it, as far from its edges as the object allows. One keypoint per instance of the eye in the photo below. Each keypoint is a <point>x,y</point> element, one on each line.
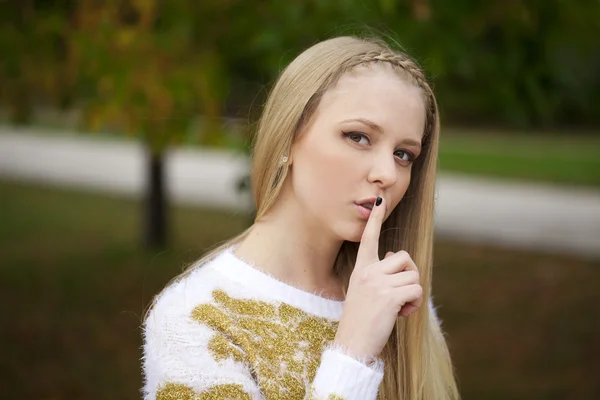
<point>357,137</point>
<point>404,155</point>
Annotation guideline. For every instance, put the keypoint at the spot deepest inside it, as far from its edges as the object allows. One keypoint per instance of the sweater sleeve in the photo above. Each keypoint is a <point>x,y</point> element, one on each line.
<point>340,377</point>
<point>178,361</point>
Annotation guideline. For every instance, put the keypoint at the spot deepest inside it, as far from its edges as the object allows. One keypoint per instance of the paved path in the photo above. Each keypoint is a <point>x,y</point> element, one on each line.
<point>547,218</point>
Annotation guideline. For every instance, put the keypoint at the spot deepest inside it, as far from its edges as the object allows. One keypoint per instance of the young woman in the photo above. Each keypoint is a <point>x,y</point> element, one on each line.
<point>321,298</point>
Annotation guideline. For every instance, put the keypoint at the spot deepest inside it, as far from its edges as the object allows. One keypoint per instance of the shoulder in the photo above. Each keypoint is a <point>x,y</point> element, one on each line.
<point>171,334</point>
<point>178,300</point>
<point>433,314</point>
<point>179,349</point>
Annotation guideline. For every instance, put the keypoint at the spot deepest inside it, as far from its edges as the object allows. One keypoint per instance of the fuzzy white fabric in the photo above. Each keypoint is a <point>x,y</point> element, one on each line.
<point>177,348</point>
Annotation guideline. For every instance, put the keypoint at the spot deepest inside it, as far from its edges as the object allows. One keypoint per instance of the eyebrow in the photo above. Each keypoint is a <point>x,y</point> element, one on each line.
<point>379,129</point>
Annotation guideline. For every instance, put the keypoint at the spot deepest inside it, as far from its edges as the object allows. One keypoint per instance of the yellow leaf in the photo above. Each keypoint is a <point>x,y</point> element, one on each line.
<point>146,8</point>
<point>125,37</point>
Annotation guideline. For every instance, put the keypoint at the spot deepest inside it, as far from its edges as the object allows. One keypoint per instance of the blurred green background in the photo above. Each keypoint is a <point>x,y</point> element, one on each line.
<point>518,83</point>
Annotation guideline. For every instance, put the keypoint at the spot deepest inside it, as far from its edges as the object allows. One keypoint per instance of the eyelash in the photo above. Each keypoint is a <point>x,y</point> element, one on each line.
<point>349,135</point>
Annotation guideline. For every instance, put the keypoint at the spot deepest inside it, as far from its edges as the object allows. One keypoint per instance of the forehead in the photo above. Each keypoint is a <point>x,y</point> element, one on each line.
<point>379,94</point>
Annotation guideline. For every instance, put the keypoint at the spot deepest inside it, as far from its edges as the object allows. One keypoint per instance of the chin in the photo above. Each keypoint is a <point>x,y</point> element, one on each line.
<point>351,232</point>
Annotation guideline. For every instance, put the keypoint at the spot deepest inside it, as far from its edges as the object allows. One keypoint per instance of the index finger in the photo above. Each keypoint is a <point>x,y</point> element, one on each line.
<point>368,250</point>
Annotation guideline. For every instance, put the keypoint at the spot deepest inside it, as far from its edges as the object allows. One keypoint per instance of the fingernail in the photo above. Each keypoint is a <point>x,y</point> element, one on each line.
<point>378,201</point>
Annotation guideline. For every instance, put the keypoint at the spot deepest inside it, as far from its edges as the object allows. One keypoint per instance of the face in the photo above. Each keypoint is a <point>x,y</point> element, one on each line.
<point>361,144</point>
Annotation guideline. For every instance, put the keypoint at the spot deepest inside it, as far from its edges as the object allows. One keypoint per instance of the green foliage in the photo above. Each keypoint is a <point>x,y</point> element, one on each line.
<point>150,67</point>
<point>144,73</point>
<point>31,64</point>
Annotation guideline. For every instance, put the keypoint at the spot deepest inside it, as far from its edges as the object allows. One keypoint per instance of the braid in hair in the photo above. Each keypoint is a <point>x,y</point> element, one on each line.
<point>397,60</point>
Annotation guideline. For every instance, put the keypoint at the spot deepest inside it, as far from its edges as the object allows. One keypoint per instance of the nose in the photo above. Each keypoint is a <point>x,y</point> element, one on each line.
<point>383,171</point>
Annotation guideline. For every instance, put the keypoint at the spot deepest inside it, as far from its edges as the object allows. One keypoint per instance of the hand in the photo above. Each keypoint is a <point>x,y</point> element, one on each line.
<point>379,291</point>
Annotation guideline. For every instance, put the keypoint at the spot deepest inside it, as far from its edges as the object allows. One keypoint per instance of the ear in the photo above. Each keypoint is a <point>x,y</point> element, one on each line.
<point>288,158</point>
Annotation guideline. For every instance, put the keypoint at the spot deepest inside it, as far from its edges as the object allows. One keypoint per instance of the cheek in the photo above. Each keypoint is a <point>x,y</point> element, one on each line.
<point>325,174</point>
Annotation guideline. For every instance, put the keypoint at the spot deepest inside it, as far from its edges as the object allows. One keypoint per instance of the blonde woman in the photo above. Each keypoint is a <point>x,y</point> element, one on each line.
<point>327,295</point>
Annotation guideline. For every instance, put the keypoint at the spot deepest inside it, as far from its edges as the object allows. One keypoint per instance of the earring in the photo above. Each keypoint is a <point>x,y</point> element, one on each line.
<point>284,159</point>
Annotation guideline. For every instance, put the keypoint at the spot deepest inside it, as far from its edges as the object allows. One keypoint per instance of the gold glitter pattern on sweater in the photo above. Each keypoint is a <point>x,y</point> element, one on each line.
<point>282,345</point>
<point>313,396</point>
<point>178,391</point>
<point>223,349</point>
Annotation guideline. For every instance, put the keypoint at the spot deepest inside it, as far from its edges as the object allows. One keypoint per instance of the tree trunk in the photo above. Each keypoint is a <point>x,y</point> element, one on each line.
<point>155,202</point>
<point>21,106</point>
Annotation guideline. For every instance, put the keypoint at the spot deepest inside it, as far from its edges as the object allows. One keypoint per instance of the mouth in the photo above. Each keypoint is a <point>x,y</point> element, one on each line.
<point>368,205</point>
<point>365,207</point>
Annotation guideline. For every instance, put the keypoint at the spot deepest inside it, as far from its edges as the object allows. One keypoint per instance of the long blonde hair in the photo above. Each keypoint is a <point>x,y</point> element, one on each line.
<point>417,361</point>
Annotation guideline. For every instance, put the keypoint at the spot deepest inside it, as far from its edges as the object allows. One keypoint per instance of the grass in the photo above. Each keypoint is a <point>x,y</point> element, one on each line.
<point>74,284</point>
<point>565,159</point>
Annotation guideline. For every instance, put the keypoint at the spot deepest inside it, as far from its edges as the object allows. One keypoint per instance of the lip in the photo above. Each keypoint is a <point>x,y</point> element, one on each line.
<point>363,211</point>
<point>367,200</point>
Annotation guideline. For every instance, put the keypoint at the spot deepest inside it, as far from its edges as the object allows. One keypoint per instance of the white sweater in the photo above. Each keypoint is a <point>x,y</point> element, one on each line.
<point>230,331</point>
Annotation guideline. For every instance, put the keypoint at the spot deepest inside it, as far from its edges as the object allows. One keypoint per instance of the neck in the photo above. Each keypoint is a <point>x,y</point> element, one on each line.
<point>295,249</point>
